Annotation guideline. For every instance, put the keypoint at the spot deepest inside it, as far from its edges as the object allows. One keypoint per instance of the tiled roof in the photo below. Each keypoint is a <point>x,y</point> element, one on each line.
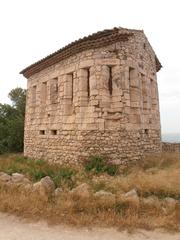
<point>96,40</point>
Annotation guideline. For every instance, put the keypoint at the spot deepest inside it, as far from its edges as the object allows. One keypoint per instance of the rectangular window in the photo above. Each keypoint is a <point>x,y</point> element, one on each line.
<point>34,94</point>
<point>42,132</point>
<point>44,92</point>
<point>110,81</point>
<point>54,90</point>
<point>53,132</point>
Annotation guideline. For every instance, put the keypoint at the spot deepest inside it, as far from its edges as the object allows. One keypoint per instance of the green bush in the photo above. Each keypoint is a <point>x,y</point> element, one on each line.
<point>99,164</point>
<point>64,176</point>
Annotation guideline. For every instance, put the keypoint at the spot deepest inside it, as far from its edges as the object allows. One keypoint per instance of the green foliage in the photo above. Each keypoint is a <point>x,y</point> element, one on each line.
<point>121,207</point>
<point>99,164</point>
<point>12,122</point>
<point>64,176</point>
<point>37,169</point>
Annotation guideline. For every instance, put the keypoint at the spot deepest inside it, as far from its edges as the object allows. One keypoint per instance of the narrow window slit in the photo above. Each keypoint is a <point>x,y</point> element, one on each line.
<point>72,86</point>
<point>146,131</point>
<point>88,82</point>
<point>110,81</point>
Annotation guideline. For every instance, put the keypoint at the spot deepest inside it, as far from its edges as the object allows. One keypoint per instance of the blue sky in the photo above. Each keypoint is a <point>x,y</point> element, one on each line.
<point>32,29</point>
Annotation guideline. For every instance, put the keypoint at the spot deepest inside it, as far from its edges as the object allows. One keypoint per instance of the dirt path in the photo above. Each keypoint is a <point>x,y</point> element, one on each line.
<point>11,228</point>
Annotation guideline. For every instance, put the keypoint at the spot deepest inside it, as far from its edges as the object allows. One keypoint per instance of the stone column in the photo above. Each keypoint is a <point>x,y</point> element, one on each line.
<point>104,87</point>
<point>83,87</point>
<point>68,94</point>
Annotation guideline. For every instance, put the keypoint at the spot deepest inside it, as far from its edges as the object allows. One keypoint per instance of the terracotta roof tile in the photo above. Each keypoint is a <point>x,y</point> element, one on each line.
<point>96,40</point>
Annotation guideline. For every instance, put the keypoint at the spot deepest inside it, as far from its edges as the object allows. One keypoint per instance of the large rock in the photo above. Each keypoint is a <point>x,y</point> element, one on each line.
<point>170,202</point>
<point>132,193</point>
<point>58,192</point>
<point>105,197</point>
<point>45,187</point>
<point>151,201</point>
<point>19,178</point>
<point>131,197</point>
<point>82,191</point>
<point>4,177</point>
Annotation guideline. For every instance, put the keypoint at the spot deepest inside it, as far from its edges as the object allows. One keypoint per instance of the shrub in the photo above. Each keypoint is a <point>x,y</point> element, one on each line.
<point>64,175</point>
<point>99,164</point>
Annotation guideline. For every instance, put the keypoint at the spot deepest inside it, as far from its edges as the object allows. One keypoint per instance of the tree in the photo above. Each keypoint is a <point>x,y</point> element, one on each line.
<point>12,122</point>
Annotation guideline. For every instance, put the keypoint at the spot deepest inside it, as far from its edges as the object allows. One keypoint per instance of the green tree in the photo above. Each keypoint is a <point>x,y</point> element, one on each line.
<point>12,122</point>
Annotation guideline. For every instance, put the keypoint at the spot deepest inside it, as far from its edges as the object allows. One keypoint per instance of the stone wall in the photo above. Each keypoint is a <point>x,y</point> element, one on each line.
<point>171,147</point>
<point>98,101</point>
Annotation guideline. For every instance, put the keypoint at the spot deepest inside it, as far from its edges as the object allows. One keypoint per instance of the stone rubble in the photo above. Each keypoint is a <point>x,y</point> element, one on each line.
<point>45,188</point>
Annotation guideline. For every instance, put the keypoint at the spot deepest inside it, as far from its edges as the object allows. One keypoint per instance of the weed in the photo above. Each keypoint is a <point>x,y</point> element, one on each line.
<point>99,164</point>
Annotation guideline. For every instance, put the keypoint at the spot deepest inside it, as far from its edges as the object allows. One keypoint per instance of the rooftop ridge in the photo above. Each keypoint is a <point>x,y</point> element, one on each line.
<point>92,41</point>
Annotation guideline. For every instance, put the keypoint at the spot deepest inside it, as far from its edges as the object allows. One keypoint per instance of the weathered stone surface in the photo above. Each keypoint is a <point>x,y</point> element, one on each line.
<point>132,197</point>
<point>151,201</point>
<point>17,177</point>
<point>45,187</point>
<point>4,177</point>
<point>82,191</point>
<point>132,193</point>
<point>170,202</point>
<point>58,192</point>
<point>105,197</point>
<point>101,100</point>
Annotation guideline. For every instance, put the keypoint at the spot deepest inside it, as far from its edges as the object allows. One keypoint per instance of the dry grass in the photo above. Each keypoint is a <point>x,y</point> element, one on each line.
<point>159,176</point>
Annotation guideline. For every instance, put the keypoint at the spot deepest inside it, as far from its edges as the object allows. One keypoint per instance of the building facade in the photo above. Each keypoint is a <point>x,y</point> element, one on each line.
<point>98,95</point>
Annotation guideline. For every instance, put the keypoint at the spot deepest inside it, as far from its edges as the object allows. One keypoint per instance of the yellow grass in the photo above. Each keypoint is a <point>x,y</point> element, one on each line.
<point>158,176</point>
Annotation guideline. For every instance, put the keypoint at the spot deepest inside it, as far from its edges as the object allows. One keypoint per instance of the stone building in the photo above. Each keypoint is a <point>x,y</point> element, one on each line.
<point>97,95</point>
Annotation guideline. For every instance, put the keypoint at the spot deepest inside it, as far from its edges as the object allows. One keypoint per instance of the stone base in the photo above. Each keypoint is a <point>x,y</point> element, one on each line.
<point>121,146</point>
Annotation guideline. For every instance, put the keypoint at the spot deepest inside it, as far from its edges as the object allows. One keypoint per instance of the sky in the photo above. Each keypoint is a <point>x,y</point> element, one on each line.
<point>33,29</point>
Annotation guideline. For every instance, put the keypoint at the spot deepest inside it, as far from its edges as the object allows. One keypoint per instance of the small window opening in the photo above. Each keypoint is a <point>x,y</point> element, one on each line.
<point>53,132</point>
<point>146,131</point>
<point>42,132</point>
<point>110,81</point>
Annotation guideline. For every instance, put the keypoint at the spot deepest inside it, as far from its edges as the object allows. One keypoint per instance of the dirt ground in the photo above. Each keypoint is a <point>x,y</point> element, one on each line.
<point>13,228</point>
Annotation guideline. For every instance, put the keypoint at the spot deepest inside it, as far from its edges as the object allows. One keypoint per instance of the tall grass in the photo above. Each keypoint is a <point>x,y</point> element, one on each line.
<point>37,169</point>
<point>157,176</point>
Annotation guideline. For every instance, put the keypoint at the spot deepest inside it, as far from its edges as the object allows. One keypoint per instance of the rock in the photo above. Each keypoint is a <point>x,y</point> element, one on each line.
<point>58,192</point>
<point>106,197</point>
<point>4,177</point>
<point>27,188</point>
<point>170,202</point>
<point>151,201</point>
<point>17,177</point>
<point>45,187</point>
<point>131,197</point>
<point>82,191</point>
<point>132,193</point>
<point>48,184</point>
